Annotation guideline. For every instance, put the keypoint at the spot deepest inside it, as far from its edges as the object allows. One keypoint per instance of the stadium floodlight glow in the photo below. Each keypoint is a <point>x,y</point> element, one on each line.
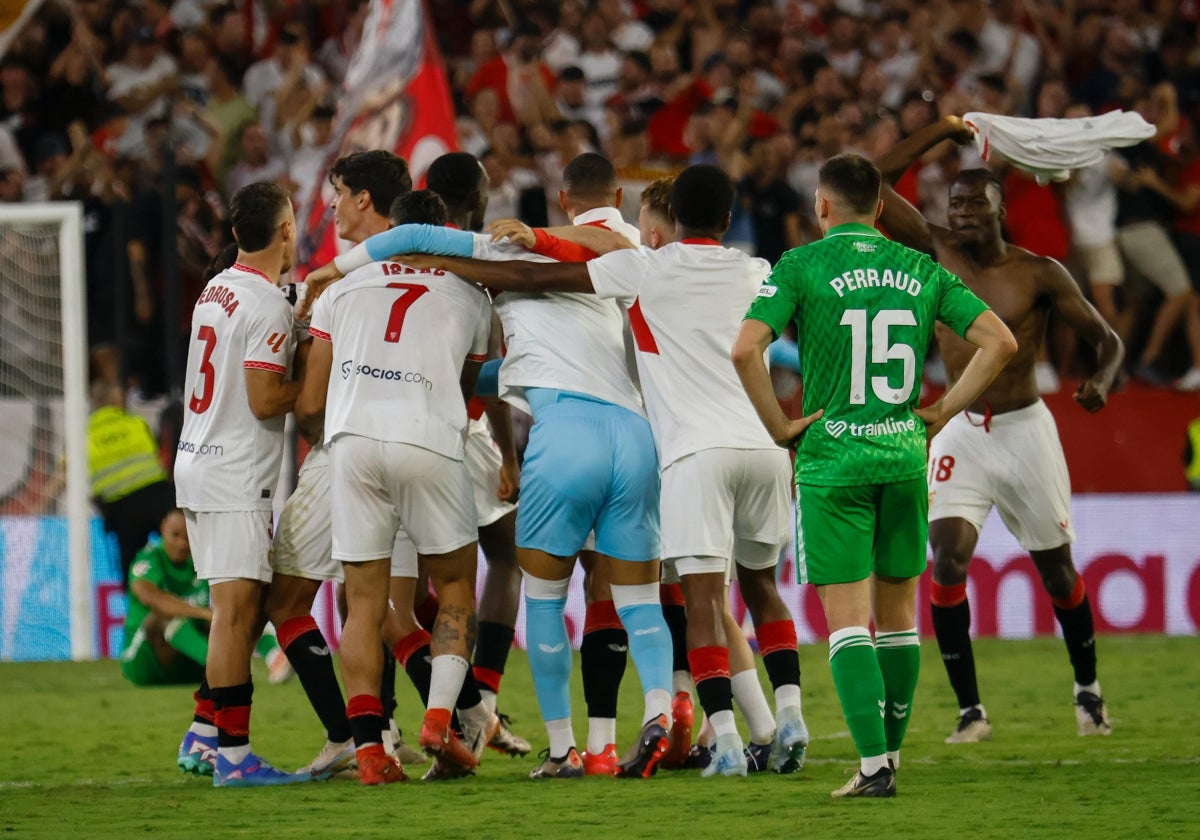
<point>41,259</point>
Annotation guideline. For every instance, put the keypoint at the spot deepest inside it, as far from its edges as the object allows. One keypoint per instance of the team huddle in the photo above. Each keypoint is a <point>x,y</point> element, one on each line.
<point>657,457</point>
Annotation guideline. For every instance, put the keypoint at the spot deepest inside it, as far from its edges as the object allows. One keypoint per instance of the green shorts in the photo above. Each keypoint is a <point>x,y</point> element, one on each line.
<point>844,534</point>
<point>140,666</point>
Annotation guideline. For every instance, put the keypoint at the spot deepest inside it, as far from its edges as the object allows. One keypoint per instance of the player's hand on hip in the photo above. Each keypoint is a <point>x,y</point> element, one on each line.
<point>514,230</point>
<point>316,282</point>
<point>934,418</point>
<point>795,428</point>
<point>1092,395</point>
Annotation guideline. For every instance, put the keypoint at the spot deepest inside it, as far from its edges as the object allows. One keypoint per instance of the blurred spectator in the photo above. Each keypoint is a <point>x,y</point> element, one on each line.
<point>510,73</point>
<point>141,85</point>
<point>773,206</point>
<point>255,161</point>
<point>1143,217</point>
<point>19,112</point>
<point>271,86</point>
<point>624,30</point>
<point>226,113</point>
<point>597,59</point>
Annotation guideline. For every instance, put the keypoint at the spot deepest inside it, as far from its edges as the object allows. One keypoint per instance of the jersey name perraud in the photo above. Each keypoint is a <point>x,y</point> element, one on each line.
<point>865,278</point>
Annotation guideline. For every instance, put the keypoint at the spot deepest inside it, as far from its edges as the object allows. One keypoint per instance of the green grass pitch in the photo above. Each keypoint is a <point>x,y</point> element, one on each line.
<point>85,754</point>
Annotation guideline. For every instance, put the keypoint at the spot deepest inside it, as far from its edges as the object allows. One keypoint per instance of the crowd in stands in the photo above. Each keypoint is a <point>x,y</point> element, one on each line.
<point>91,90</point>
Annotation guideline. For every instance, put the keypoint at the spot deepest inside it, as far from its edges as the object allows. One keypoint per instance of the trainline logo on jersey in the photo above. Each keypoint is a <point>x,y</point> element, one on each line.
<point>837,428</point>
<point>865,278</point>
<point>407,377</point>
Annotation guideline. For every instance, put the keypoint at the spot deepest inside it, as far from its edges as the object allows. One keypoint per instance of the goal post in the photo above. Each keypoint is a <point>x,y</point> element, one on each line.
<point>33,237</point>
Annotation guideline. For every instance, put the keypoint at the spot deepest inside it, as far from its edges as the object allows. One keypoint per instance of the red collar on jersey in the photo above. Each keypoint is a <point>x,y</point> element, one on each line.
<point>237,266</point>
<point>452,226</point>
<point>699,241</point>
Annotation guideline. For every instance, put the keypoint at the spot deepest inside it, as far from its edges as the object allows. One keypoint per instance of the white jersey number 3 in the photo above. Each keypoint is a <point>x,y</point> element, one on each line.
<point>882,352</point>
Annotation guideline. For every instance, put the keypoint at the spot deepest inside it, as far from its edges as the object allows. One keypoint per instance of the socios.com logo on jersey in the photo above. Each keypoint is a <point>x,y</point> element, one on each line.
<point>406,377</point>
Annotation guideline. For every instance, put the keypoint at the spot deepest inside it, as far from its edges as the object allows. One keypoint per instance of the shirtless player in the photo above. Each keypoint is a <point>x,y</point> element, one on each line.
<point>1004,450</point>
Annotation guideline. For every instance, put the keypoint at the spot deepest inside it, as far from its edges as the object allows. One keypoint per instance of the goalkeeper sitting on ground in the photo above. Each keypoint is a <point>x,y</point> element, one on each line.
<point>166,621</point>
<point>167,615</point>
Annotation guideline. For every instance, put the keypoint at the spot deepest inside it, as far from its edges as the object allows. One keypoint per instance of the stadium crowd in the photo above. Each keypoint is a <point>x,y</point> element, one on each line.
<point>91,92</point>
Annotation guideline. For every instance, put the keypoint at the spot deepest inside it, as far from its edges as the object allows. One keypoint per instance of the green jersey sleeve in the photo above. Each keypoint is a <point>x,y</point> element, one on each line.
<point>147,566</point>
<point>778,298</point>
<point>958,306</point>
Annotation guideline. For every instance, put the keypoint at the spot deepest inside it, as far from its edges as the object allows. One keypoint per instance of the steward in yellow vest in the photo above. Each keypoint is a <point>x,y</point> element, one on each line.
<point>128,482</point>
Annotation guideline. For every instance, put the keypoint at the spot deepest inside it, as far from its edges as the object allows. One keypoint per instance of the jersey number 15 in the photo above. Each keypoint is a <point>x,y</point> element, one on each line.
<point>882,352</point>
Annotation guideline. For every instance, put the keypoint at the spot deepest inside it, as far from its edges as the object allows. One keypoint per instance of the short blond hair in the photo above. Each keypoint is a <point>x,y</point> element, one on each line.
<point>657,196</point>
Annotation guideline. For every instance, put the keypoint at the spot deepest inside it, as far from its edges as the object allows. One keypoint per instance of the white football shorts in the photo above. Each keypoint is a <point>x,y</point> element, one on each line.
<point>380,487</point>
<point>304,533</point>
<point>725,506</point>
<point>1016,464</point>
<point>230,545</point>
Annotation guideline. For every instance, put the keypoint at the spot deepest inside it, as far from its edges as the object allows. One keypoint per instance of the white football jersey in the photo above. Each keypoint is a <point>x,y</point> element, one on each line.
<point>400,337</point>
<point>570,342</point>
<point>686,303</point>
<point>229,460</point>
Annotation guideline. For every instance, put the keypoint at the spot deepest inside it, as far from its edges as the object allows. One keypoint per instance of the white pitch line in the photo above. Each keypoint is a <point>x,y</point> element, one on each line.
<point>18,785</point>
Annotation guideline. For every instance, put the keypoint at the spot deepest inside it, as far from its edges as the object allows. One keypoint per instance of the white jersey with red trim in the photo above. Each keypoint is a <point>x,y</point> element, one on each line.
<point>686,303</point>
<point>400,337</point>
<point>570,342</point>
<point>229,460</point>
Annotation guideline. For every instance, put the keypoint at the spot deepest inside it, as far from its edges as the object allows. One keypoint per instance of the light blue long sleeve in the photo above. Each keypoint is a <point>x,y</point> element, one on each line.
<point>783,353</point>
<point>421,239</point>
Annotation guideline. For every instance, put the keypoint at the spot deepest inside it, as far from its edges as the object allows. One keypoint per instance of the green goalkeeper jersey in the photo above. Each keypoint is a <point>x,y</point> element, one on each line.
<point>152,564</point>
<point>864,308</point>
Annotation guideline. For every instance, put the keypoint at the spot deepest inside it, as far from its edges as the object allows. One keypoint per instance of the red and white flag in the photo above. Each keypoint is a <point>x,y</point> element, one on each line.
<point>395,96</point>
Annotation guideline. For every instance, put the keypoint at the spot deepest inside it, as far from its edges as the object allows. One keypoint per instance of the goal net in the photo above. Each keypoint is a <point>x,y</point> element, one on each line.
<point>46,593</point>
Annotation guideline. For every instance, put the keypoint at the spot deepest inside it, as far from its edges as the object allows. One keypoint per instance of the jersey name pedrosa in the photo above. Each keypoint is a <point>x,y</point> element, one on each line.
<point>229,460</point>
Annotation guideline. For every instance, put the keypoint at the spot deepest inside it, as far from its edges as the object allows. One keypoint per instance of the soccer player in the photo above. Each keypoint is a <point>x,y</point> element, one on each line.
<point>566,363</point>
<point>724,481</point>
<point>412,342</point>
<point>230,453</point>
<point>166,620</point>
<point>365,185</point>
<point>491,459</point>
<point>865,310</point>
<point>1004,451</point>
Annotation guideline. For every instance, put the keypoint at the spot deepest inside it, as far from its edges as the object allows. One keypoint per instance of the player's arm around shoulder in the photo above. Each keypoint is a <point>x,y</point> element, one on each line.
<point>1068,302</point>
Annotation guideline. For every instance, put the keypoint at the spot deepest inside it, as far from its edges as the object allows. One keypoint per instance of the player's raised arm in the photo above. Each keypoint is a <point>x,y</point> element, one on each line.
<point>1068,302</point>
<point>511,275</point>
<point>903,222</point>
<point>996,346</point>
